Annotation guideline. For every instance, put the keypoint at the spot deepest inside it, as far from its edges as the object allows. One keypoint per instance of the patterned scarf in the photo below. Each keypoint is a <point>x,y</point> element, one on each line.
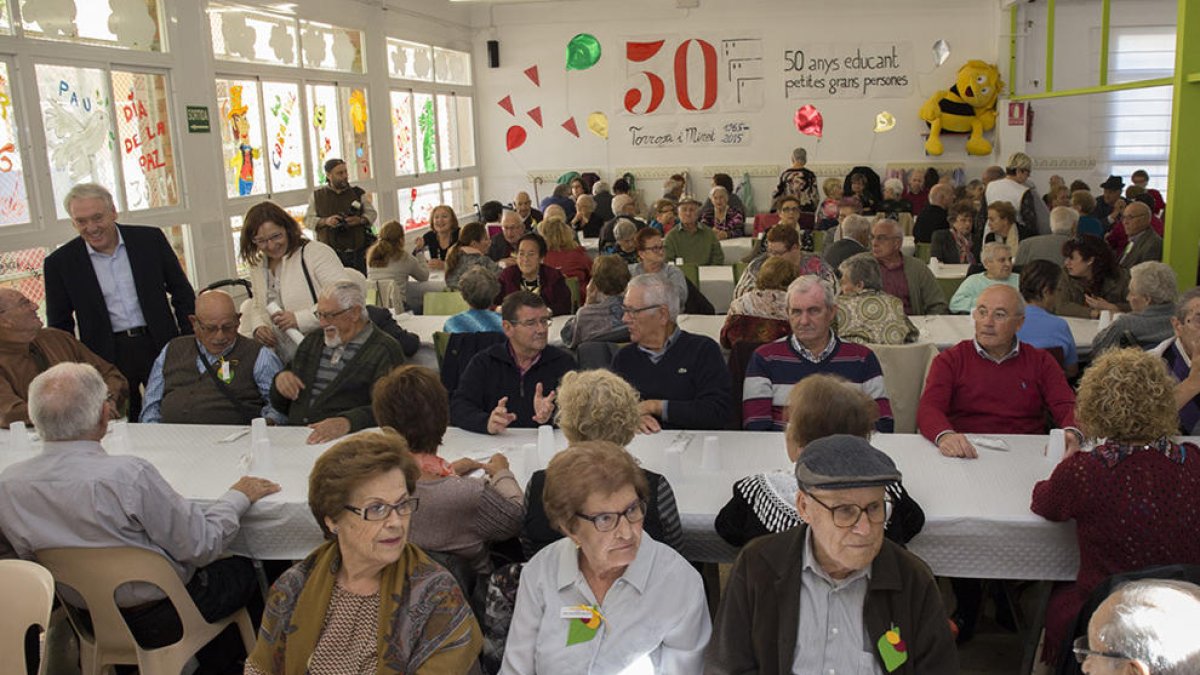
<point>422,614</point>
<point>1112,452</point>
<point>1189,414</point>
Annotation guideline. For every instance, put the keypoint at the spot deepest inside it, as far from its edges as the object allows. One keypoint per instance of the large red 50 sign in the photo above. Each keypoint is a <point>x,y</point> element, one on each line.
<point>641,52</point>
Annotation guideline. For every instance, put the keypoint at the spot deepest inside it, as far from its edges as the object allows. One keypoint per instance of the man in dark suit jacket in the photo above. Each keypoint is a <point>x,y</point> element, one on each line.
<point>113,280</point>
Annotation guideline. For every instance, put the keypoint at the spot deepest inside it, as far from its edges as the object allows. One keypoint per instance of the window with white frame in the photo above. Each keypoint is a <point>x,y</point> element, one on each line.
<point>14,200</point>
<point>125,24</point>
<point>1135,125</point>
<point>433,132</point>
<point>124,145</point>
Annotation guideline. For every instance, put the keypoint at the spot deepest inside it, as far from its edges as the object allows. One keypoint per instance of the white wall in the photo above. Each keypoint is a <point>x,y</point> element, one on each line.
<point>537,33</point>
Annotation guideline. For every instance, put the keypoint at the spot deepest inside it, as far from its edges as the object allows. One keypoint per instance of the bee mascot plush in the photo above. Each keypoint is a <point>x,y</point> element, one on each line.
<point>969,107</point>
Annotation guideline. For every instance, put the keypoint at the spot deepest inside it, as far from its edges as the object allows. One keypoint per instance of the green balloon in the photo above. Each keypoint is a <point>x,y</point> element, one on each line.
<point>583,51</point>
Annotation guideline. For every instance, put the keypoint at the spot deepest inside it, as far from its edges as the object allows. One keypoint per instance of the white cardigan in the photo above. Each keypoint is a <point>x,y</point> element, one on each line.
<point>324,268</point>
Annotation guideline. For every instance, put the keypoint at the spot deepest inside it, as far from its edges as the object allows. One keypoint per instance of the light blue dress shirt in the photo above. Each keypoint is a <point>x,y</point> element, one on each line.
<point>1044,330</point>
<point>116,283</point>
<point>266,367</point>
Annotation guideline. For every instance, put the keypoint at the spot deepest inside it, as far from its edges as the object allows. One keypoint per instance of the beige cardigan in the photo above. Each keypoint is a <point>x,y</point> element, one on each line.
<point>324,268</point>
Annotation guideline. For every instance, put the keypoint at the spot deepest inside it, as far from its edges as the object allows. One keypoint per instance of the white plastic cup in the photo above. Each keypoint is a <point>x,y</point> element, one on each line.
<point>673,466</point>
<point>258,431</point>
<point>1105,318</point>
<point>678,262</point>
<point>935,265</point>
<point>1057,447</point>
<point>710,460</point>
<point>18,437</point>
<point>532,462</point>
<point>263,464</point>
<point>545,444</point>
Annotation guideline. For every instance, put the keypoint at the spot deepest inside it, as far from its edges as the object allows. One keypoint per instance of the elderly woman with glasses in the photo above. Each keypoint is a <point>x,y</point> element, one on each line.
<point>652,259</point>
<point>866,314</point>
<point>1135,498</point>
<point>367,600</point>
<point>530,274</point>
<point>288,273</point>
<point>607,598</point>
<point>997,264</point>
<point>1152,294</point>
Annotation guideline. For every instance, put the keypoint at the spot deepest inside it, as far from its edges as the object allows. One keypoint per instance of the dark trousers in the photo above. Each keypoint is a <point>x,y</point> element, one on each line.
<point>218,590</point>
<point>134,358</point>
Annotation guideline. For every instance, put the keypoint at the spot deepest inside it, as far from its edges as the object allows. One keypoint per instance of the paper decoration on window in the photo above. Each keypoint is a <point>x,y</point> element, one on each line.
<point>283,44</point>
<point>583,51</point>
<point>422,64</point>
<point>515,137</point>
<point>884,121</point>
<point>532,73</point>
<point>535,114</point>
<point>239,37</point>
<point>941,52</point>
<point>144,139</point>
<point>56,18</point>
<point>240,125</point>
<point>570,126</point>
<point>809,121</point>
<point>77,116</point>
<point>426,134</point>
<point>402,132</point>
<point>132,24</point>
<point>506,103</point>
<point>597,123</point>
<point>14,204</point>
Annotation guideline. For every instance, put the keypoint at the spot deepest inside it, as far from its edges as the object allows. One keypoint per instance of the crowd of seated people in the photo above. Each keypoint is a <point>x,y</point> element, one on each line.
<point>305,350</point>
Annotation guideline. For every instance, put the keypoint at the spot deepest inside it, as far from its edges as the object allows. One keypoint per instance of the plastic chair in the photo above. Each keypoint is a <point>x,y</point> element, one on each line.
<point>818,241</point>
<point>923,252</point>
<point>573,286</point>
<point>441,340</point>
<point>444,303</point>
<point>28,592</point>
<point>95,574</point>
<point>949,286</point>
<point>904,371</point>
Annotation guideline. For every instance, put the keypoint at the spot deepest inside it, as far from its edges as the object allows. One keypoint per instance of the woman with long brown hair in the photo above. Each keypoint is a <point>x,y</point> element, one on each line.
<point>389,265</point>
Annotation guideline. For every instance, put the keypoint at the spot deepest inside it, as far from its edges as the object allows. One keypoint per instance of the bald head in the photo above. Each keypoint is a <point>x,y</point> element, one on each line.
<point>941,195</point>
<point>19,320</point>
<point>215,321</point>
<point>999,313</point>
<point>1136,217</point>
<point>523,204</point>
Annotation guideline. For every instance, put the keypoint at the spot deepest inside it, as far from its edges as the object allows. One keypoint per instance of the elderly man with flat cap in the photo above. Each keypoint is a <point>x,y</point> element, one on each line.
<point>832,595</point>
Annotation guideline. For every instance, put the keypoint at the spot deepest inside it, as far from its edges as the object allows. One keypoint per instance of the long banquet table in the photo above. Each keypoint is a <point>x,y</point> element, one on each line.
<point>944,330</point>
<point>978,521</point>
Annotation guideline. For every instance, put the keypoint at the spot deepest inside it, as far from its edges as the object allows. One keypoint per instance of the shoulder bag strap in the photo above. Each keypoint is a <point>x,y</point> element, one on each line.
<point>304,266</point>
<point>224,388</point>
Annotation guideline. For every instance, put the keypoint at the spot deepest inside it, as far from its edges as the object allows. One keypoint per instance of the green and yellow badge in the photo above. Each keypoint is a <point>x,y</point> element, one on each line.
<point>892,649</point>
<point>585,621</point>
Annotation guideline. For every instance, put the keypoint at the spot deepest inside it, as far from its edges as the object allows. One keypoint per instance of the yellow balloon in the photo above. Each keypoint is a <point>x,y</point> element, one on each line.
<point>597,123</point>
<point>884,121</point>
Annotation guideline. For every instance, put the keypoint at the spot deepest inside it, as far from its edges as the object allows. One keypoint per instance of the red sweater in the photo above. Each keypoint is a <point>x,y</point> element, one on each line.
<point>970,394</point>
<point>552,288</point>
<point>574,263</point>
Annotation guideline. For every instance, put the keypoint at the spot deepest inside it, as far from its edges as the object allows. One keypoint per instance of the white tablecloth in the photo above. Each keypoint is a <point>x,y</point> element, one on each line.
<point>716,283</point>
<point>978,521</point>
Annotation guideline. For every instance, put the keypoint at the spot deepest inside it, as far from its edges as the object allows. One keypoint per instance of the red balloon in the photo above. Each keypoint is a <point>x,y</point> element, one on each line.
<point>515,137</point>
<point>809,121</point>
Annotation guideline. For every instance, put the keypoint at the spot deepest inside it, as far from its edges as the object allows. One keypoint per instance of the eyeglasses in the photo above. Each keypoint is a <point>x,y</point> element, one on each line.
<point>607,522</point>
<point>885,237</point>
<point>530,323</point>
<point>1082,652</point>
<point>847,515</point>
<point>329,316</point>
<point>219,328</point>
<point>657,249</point>
<point>1000,315</point>
<point>634,311</point>
<point>263,241</point>
<point>379,511</point>
<point>795,209</point>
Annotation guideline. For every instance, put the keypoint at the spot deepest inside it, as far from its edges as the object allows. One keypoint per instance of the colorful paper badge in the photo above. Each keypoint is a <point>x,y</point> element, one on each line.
<point>584,620</point>
<point>892,649</point>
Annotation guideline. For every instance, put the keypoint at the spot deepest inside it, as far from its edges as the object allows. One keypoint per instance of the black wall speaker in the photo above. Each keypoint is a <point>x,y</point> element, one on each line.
<point>493,47</point>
